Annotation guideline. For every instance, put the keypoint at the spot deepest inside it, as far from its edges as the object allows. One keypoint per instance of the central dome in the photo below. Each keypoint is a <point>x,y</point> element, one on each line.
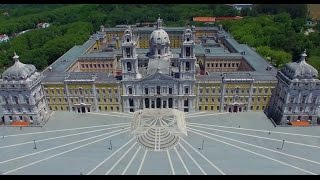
<point>159,36</point>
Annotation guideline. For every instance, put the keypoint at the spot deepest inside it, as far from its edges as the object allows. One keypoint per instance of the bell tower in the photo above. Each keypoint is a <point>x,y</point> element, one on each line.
<point>187,57</point>
<point>129,56</point>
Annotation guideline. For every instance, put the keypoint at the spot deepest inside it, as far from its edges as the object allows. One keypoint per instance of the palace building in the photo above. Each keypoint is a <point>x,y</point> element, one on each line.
<point>129,69</point>
<point>296,99</point>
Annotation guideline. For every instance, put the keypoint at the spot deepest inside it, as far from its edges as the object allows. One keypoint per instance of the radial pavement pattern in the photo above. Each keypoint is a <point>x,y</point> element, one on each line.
<point>215,143</point>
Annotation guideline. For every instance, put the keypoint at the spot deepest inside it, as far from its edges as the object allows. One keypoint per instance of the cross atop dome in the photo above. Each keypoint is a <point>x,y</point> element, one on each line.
<point>159,23</point>
<point>15,57</point>
<point>303,55</point>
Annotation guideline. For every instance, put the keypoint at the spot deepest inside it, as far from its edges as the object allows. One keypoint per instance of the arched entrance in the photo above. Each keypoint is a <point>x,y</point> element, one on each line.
<point>235,107</point>
<point>147,103</point>
<point>82,107</point>
<point>158,103</point>
<point>170,102</point>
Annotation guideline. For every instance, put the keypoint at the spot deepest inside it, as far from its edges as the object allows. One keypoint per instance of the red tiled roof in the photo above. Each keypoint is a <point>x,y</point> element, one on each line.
<point>19,123</point>
<point>300,123</point>
<point>213,19</point>
<point>204,19</point>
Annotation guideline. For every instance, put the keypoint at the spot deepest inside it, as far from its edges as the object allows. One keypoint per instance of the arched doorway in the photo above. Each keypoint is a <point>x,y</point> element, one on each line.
<point>146,103</point>
<point>158,103</point>
<point>170,102</point>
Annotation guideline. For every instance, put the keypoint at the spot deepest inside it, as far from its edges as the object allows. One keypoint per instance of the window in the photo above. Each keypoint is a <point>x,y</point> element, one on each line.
<point>186,102</point>
<point>186,90</point>
<point>128,52</point>
<point>27,99</point>
<point>129,66</point>
<point>304,98</point>
<point>170,90</point>
<point>16,100</point>
<point>200,99</point>
<point>158,89</point>
<point>199,108</point>
<point>206,108</point>
<point>218,108</point>
<point>251,107</point>
<point>207,100</point>
<point>188,51</point>
<point>257,108</point>
<point>146,90</point>
<point>130,90</point>
<point>211,108</point>
<point>131,103</point>
<point>187,66</point>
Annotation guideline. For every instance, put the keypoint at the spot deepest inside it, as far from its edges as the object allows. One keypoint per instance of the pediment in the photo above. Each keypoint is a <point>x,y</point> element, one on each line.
<point>158,77</point>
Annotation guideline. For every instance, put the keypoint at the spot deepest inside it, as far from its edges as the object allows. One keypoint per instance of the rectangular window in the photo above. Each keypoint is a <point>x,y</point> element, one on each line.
<point>186,90</point>
<point>199,108</point>
<point>186,103</point>
<point>170,90</point>
<point>218,108</point>
<point>146,90</point>
<point>211,108</point>
<point>158,89</point>
<point>206,108</point>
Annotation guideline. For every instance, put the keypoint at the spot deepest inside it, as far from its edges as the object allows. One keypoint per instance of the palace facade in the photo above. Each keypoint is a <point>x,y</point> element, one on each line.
<point>128,69</point>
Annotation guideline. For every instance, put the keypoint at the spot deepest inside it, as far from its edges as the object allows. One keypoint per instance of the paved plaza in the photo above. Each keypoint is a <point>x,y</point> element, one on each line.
<point>216,143</point>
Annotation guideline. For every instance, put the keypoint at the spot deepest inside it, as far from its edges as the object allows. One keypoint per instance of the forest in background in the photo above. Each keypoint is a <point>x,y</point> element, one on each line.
<point>275,31</point>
